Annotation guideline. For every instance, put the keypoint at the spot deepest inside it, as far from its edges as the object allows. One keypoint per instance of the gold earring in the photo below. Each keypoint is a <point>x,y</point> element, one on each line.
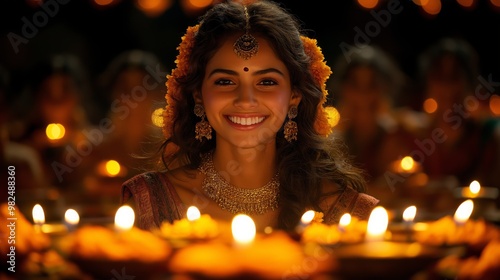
<point>291,128</point>
<point>203,128</point>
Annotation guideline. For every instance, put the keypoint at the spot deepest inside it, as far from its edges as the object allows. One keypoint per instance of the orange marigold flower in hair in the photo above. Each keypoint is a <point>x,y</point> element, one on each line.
<point>174,93</point>
<point>320,72</point>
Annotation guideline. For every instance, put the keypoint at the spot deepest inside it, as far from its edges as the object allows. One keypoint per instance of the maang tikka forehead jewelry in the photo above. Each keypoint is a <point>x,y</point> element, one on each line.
<point>246,46</point>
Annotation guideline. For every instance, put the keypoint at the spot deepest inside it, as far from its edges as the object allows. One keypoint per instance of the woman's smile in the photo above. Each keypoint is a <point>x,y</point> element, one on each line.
<point>245,121</point>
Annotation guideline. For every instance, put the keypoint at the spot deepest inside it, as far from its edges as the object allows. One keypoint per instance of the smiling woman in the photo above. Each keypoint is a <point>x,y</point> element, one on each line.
<point>245,127</point>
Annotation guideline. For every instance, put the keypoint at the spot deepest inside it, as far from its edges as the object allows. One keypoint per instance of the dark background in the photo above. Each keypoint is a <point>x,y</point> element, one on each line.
<point>97,35</point>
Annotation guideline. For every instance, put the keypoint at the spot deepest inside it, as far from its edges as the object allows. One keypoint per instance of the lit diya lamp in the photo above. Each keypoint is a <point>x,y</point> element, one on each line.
<point>405,231</point>
<point>463,212</point>
<point>344,221</point>
<point>406,166</point>
<point>38,217</point>
<point>408,217</point>
<point>484,197</point>
<point>98,249</point>
<point>41,226</point>
<point>349,230</point>
<point>249,255</point>
<point>382,258</point>
<point>408,172</point>
<point>243,230</point>
<point>459,230</point>
<point>71,219</point>
<point>195,227</point>
<point>305,220</point>
<point>124,219</point>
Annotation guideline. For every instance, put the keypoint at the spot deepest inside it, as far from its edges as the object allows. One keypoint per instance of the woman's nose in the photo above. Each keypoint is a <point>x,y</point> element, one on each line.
<point>245,97</point>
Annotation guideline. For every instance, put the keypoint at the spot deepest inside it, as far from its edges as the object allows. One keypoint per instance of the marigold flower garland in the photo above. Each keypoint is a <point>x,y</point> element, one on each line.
<point>318,67</point>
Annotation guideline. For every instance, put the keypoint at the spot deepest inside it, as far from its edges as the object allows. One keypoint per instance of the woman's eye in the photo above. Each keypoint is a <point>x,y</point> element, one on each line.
<point>268,82</point>
<point>224,82</point>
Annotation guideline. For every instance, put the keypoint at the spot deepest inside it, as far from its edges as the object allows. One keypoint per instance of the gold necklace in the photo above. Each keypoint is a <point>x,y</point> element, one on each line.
<point>238,200</point>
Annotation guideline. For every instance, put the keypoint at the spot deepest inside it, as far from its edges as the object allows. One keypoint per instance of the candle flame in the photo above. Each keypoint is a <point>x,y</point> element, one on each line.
<point>464,211</point>
<point>112,167</point>
<point>71,217</point>
<point>410,213</point>
<point>474,187</point>
<point>243,229</point>
<point>124,218</point>
<point>38,215</point>
<point>407,163</point>
<point>193,213</point>
<point>307,217</point>
<point>377,224</point>
<point>55,131</point>
<point>345,220</point>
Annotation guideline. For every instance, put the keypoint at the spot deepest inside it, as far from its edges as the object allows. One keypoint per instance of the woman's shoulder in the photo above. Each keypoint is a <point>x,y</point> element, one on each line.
<point>181,180</point>
<point>337,201</point>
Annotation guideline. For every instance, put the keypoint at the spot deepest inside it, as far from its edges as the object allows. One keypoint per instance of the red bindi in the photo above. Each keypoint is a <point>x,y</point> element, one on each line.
<point>245,69</point>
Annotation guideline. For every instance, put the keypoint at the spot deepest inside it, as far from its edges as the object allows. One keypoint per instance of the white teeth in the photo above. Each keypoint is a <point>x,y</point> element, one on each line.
<point>246,121</point>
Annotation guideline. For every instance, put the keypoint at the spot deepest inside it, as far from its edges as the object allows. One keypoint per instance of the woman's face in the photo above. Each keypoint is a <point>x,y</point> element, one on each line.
<point>363,96</point>
<point>57,98</point>
<point>447,82</point>
<point>246,101</point>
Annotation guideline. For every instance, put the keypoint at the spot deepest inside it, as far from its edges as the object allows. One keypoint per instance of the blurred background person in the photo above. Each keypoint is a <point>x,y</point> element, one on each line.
<point>30,183</point>
<point>54,110</point>
<point>131,89</point>
<point>468,145</point>
<point>133,85</point>
<point>56,114</point>
<point>365,91</point>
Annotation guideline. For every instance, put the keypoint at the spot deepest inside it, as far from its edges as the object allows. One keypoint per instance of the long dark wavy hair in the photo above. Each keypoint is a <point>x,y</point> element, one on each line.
<point>303,165</point>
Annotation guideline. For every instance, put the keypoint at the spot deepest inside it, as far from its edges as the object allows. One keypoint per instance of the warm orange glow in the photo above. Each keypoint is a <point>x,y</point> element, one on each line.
<point>407,163</point>
<point>409,214</point>
<point>243,229</point>
<point>103,2</point>
<point>193,213</point>
<point>432,7</point>
<point>464,211</point>
<point>333,115</point>
<point>430,105</point>
<point>495,99</point>
<point>55,131</point>
<point>157,117</point>
<point>124,218</point>
<point>368,4</point>
<point>421,2</point>
<point>377,224</point>
<point>38,215</point>
<point>474,187</point>
<point>112,167</point>
<point>495,3</point>
<point>200,3</point>
<point>154,8</point>
<point>466,3</point>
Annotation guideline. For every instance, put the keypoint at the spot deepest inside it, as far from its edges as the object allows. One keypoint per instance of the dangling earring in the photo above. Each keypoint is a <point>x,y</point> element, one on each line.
<point>203,128</point>
<point>291,128</point>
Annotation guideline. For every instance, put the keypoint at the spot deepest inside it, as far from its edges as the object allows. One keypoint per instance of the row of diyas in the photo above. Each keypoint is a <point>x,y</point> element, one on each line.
<point>407,166</point>
<point>273,254</point>
<point>196,246</point>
